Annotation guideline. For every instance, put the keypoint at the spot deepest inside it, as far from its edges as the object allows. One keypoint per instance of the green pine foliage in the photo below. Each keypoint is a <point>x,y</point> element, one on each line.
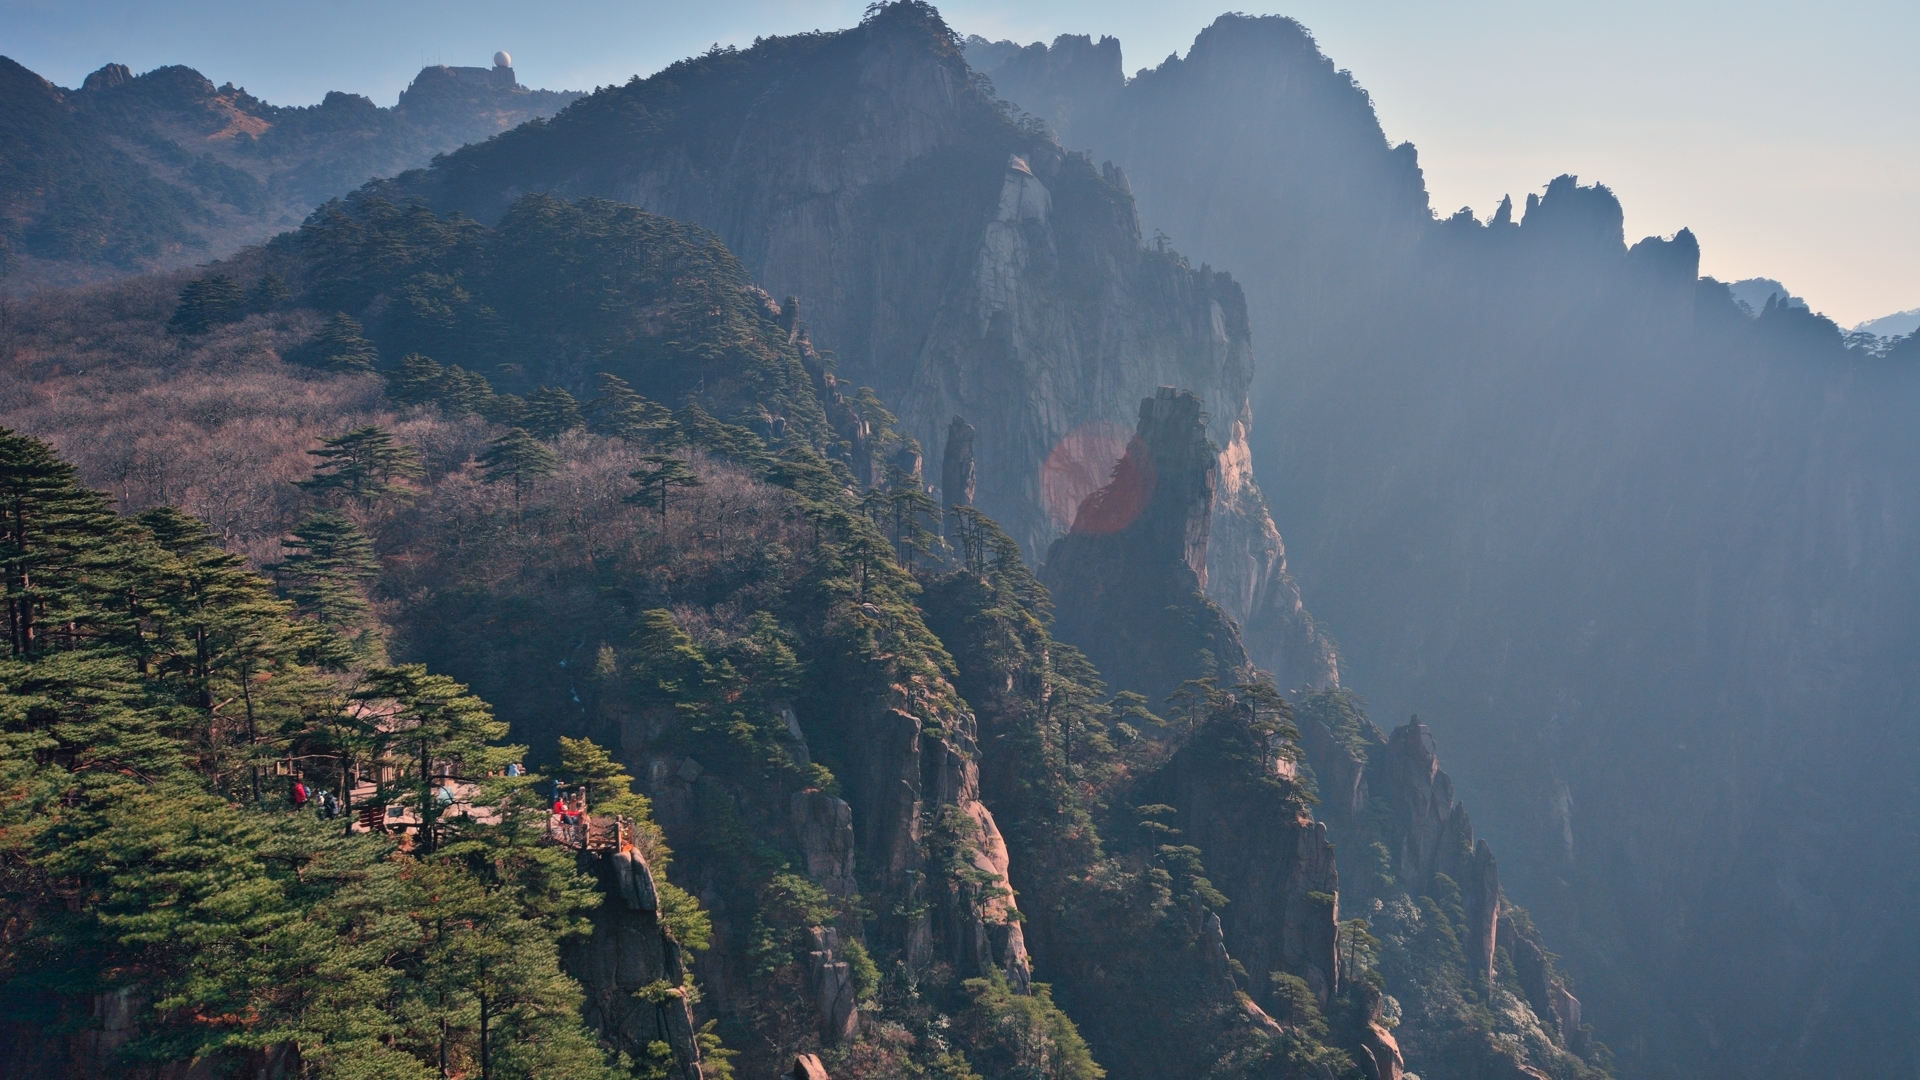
<point>145,858</point>
<point>363,466</point>
<point>342,345</point>
<point>1013,1034</point>
<point>619,411</point>
<point>329,566</point>
<point>270,293</point>
<point>552,412</point>
<point>657,476</point>
<point>207,303</point>
<point>657,303</point>
<point>519,459</point>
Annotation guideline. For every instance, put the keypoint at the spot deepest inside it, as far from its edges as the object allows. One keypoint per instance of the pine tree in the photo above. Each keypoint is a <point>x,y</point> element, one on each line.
<point>609,786</point>
<point>906,505</point>
<point>208,303</point>
<point>730,441</point>
<point>330,564</point>
<point>216,633</point>
<point>61,549</point>
<point>242,930</point>
<point>362,465</point>
<point>520,458</point>
<point>269,293</point>
<point>623,414</point>
<point>551,412</point>
<point>343,346</point>
<point>430,720</point>
<point>657,477</point>
<point>418,382</point>
<point>507,410</point>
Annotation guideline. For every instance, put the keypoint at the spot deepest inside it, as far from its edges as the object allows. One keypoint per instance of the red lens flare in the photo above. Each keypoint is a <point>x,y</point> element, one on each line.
<point>1084,462</point>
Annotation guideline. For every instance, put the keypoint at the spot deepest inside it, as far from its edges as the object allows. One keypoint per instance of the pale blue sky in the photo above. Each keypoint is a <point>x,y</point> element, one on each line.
<point>1787,136</point>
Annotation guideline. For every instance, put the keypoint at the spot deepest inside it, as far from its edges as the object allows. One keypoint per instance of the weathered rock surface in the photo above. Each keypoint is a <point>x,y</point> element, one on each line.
<point>1435,837</point>
<point>912,789</point>
<point>1344,793</point>
<point>806,1067</point>
<point>1271,860</point>
<point>953,262</point>
<point>1546,991</point>
<point>1379,1055</point>
<point>959,477</point>
<point>1128,582</point>
<point>626,952</point>
<point>823,825</point>
<point>833,989</point>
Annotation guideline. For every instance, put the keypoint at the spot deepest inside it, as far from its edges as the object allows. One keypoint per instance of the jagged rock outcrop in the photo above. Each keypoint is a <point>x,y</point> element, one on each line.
<point>1152,987</point>
<point>954,262</point>
<point>1128,581</point>
<point>1126,584</point>
<point>823,825</point>
<point>1263,850</point>
<point>1434,837</point>
<point>832,984</point>
<point>916,787</point>
<point>628,951</point>
<point>1247,576</point>
<point>1520,453</point>
<point>1388,803</point>
<point>1379,1055</point>
<point>1378,1052</point>
<point>806,1067</point>
<point>1341,773</point>
<point>959,477</point>
<point>1546,991</point>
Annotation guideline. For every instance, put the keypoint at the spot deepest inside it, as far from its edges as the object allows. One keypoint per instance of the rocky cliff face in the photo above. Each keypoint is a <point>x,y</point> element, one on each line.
<point>918,789</point>
<point>911,815</point>
<point>956,262</point>
<point>1127,584</point>
<point>1269,857</point>
<point>631,969</point>
<point>1636,555</point>
<point>1436,838</point>
<point>1416,863</point>
<point>1129,579</point>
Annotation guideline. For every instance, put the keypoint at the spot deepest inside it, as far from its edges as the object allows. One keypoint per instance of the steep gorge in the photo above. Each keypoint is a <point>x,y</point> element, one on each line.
<point>1636,553</point>
<point>1238,793</point>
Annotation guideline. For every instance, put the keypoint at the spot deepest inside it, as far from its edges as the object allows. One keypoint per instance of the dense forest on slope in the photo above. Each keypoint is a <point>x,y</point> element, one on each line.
<point>908,829</point>
<point>1639,553</point>
<point>134,171</point>
<point>959,262</point>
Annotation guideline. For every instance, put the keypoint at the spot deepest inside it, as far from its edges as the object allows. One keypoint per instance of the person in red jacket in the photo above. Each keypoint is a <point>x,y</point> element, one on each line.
<point>299,795</point>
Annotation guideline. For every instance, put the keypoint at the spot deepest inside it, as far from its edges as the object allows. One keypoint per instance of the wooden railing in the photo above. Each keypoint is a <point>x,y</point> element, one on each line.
<point>595,832</point>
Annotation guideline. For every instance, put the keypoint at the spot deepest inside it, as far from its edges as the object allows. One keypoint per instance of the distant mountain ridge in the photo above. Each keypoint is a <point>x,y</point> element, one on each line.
<point>133,172</point>
<point>955,260</point>
<point>1898,324</point>
<point>1640,553</point>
